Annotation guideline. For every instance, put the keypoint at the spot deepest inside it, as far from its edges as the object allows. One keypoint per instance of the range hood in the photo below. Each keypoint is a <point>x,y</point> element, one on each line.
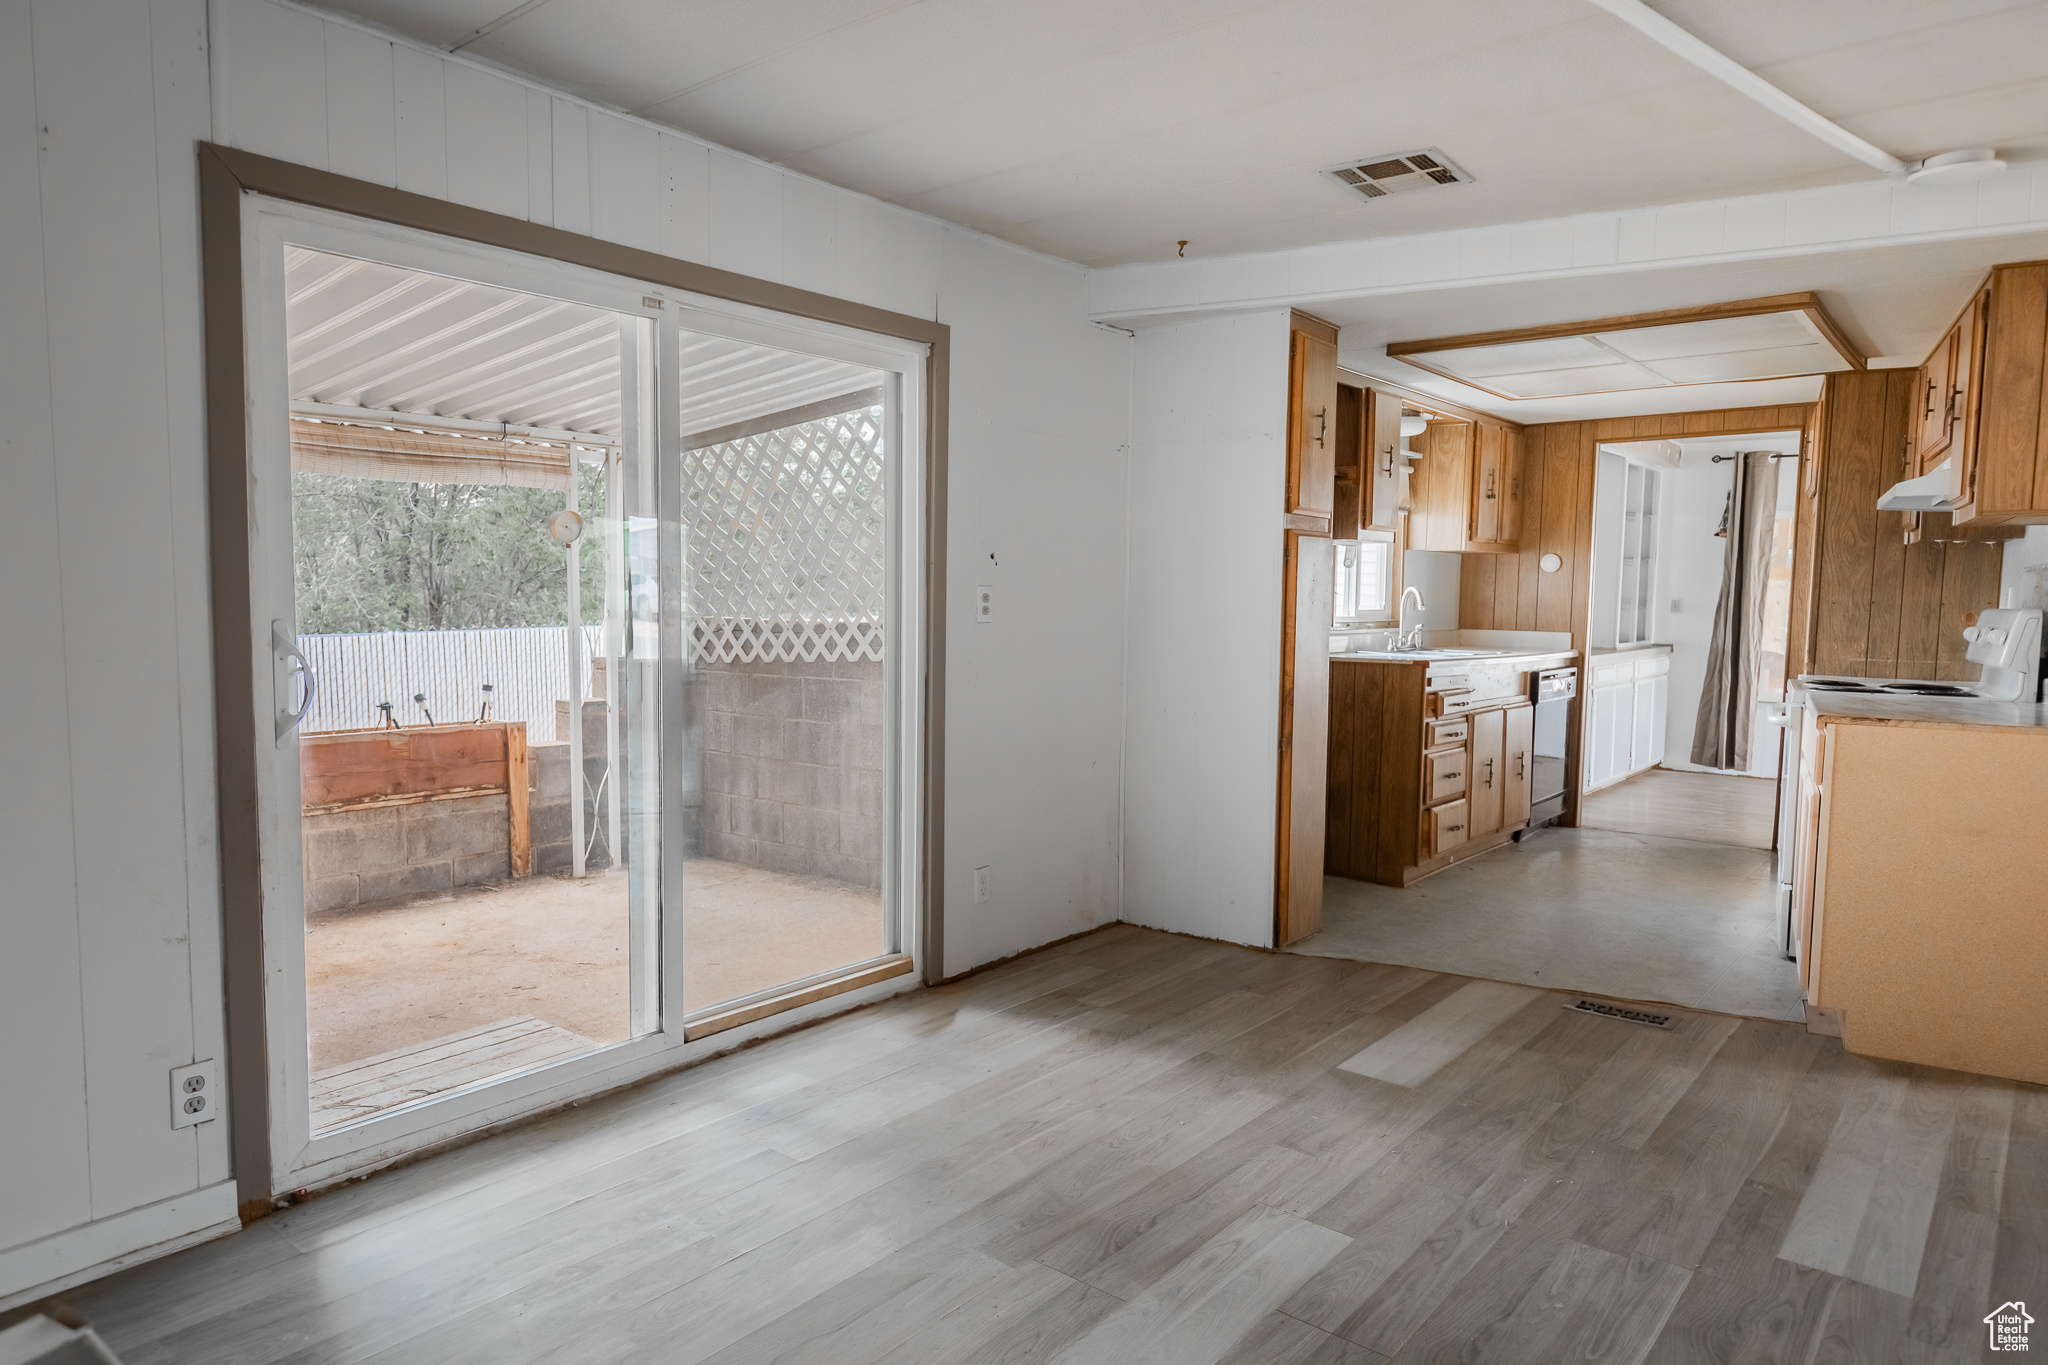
<point>1934,491</point>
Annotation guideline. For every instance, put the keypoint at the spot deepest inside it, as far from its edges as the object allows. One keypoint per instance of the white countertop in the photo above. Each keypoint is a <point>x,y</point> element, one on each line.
<point>1604,653</point>
<point>1944,712</point>
<point>1422,657</point>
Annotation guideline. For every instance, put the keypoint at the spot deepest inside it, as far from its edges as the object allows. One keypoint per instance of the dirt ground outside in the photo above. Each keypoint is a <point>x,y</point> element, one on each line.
<point>382,978</point>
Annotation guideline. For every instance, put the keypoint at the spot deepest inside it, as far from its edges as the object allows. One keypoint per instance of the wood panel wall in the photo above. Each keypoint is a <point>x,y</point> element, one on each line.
<point>1874,606</point>
<point>1511,592</point>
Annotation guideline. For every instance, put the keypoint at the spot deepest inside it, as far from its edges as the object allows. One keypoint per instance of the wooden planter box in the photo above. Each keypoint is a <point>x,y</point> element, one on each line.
<point>356,769</point>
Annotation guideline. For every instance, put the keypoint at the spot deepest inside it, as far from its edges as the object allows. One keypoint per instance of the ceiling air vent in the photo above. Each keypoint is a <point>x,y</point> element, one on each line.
<point>1376,177</point>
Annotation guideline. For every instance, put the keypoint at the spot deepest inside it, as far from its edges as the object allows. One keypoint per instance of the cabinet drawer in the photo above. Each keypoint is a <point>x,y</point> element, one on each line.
<point>1445,827</point>
<point>1443,774</point>
<point>1456,730</point>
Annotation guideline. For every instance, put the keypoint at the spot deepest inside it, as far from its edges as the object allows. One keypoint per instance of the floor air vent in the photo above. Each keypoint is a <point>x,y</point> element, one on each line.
<point>1607,1011</point>
<point>1376,177</point>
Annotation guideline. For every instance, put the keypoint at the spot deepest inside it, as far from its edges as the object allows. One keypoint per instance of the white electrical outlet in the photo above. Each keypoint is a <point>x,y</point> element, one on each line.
<point>982,889</point>
<point>984,603</point>
<point>1678,606</point>
<point>195,1094</point>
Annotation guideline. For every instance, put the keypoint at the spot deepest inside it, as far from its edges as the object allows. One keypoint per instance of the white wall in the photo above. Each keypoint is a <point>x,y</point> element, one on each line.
<point>109,966</point>
<point>1202,714</point>
<point>1438,576</point>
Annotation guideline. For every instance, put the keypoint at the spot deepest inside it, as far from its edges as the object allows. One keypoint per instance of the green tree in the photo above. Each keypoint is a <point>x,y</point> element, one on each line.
<point>378,555</point>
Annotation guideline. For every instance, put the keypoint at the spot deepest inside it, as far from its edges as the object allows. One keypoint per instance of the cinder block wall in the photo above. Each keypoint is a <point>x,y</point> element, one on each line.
<point>383,853</point>
<point>792,778</point>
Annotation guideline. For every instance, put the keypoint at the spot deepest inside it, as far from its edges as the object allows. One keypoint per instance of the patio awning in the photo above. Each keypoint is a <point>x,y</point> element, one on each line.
<point>496,383</point>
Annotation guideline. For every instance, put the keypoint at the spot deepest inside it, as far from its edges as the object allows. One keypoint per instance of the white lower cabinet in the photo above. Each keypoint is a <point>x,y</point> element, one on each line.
<point>1630,704</point>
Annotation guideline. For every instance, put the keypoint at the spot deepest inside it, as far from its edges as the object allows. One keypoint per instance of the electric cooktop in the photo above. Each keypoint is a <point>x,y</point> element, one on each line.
<point>1880,688</point>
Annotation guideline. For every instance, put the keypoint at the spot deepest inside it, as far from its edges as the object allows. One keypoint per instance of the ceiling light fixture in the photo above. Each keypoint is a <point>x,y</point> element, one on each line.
<point>1949,168</point>
<point>1957,168</point>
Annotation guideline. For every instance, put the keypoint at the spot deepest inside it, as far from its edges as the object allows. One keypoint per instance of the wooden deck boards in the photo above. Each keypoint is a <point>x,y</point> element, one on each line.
<point>356,1090</point>
<point>1141,1147</point>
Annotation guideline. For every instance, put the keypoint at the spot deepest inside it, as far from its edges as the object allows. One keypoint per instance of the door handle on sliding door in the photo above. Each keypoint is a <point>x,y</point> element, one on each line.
<point>287,665</point>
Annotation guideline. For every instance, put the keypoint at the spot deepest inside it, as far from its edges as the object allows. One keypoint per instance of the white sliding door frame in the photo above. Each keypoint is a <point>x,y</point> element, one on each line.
<point>300,1158</point>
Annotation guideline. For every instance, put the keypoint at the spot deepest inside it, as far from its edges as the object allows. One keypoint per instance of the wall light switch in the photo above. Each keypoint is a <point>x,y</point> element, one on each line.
<point>195,1094</point>
<point>1677,606</point>
<point>984,603</point>
<point>982,889</point>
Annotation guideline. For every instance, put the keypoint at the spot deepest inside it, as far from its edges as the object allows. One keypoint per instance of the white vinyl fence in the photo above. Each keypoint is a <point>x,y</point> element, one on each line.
<point>527,667</point>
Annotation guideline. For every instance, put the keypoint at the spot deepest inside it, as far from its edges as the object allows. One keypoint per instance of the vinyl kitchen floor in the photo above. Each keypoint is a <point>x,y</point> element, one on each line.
<point>1600,911</point>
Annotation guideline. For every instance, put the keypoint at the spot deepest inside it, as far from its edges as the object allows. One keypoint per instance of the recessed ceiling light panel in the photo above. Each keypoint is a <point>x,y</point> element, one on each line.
<point>1773,338</point>
<point>1389,173</point>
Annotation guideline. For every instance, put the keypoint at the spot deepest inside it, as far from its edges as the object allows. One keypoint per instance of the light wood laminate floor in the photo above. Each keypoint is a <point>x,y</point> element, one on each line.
<point>1713,808</point>
<point>1137,1147</point>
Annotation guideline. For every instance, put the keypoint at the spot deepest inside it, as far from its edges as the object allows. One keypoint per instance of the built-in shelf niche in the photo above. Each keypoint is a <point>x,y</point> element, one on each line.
<point>1626,542</point>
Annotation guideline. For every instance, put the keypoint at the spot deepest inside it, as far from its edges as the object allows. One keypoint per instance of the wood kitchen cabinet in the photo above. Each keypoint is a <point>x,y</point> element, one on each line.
<point>1466,491</point>
<point>1997,400</point>
<point>1916,902</point>
<point>1386,469</point>
<point>1426,767</point>
<point>1935,394</point>
<point>1351,464</point>
<point>1310,497</point>
<point>1518,760</point>
<point>1312,421</point>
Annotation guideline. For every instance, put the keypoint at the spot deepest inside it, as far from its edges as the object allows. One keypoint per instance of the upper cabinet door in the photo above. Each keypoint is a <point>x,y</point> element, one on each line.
<point>1352,466</point>
<point>1386,468</point>
<point>1933,400</point>
<point>1511,488</point>
<point>1312,427</point>
<point>1488,455</point>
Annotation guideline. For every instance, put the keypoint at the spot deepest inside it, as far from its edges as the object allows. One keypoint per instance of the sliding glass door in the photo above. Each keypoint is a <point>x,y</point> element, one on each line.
<point>586,614</point>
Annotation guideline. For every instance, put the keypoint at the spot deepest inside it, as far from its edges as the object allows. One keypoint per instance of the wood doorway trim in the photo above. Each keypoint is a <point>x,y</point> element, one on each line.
<point>1807,302</point>
<point>225,175</point>
<point>1510,591</point>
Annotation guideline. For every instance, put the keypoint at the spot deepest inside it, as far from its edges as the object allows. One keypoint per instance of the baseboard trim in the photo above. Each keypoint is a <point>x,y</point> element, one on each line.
<point>55,1263</point>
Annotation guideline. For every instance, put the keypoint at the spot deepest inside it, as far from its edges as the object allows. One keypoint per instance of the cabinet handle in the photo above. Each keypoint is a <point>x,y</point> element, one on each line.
<point>1930,398</point>
<point>1489,486</point>
<point>1489,772</point>
<point>1322,424</point>
<point>1521,765</point>
<point>1389,470</point>
<point>1955,404</point>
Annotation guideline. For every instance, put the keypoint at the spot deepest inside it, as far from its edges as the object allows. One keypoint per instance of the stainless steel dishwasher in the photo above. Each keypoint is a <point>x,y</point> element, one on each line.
<point>1551,690</point>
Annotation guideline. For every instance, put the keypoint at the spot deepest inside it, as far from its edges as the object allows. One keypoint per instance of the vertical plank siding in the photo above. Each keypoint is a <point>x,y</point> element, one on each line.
<point>1871,605</point>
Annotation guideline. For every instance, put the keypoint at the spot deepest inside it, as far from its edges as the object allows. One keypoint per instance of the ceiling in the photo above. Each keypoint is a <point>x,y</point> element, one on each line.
<point>1105,133</point>
<point>1891,302</point>
<point>1764,345</point>
<point>363,334</point>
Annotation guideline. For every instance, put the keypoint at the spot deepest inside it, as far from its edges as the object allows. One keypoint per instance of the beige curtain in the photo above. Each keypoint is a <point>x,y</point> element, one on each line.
<point>1720,736</point>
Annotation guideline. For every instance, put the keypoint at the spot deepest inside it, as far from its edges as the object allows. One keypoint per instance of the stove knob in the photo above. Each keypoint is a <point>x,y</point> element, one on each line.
<point>1969,632</point>
<point>1996,635</point>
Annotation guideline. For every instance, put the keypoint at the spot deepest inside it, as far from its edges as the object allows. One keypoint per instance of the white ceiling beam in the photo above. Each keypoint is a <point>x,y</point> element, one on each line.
<point>1727,70</point>
<point>1863,215</point>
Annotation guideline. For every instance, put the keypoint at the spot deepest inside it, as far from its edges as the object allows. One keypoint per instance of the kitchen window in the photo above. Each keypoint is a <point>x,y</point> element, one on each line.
<point>1363,579</point>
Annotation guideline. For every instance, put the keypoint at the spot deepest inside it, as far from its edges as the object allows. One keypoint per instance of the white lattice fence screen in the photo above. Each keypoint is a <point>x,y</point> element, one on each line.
<point>785,537</point>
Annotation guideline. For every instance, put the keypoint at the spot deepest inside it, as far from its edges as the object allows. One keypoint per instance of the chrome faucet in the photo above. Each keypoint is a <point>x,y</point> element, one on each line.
<point>1409,638</point>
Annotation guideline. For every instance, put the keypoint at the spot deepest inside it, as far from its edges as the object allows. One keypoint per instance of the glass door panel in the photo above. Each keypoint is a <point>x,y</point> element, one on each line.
<point>472,565</point>
<point>785,473</point>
